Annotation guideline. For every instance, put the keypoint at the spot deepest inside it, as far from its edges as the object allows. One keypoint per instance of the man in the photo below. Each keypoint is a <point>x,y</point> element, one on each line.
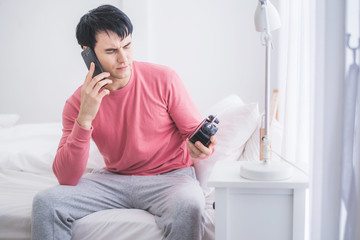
<point>139,115</point>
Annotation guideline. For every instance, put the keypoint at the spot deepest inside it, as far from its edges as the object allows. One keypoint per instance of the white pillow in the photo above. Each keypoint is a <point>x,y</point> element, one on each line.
<point>29,147</point>
<point>237,123</point>
<point>252,146</point>
<point>32,148</point>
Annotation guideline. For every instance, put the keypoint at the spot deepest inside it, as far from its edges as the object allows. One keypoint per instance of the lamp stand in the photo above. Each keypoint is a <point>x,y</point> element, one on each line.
<point>266,170</point>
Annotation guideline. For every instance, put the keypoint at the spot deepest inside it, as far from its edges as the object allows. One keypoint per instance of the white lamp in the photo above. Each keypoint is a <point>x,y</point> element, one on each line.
<point>267,19</point>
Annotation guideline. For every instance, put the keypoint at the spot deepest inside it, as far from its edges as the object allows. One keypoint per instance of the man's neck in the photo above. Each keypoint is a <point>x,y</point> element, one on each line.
<point>118,83</point>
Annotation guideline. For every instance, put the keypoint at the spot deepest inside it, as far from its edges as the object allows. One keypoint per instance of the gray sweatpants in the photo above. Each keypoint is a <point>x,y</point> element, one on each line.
<point>175,199</point>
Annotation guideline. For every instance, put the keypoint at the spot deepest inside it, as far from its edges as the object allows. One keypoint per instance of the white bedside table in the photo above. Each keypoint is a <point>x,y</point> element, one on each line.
<point>257,210</point>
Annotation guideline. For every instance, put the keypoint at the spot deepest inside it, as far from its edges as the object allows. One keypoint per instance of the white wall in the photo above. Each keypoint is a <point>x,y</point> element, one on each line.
<point>40,63</point>
<point>211,44</point>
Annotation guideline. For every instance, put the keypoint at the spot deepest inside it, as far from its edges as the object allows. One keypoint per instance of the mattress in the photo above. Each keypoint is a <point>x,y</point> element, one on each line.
<point>18,188</point>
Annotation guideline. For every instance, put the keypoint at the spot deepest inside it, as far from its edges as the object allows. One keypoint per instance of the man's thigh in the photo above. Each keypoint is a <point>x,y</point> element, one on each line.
<point>94,192</point>
<point>168,192</point>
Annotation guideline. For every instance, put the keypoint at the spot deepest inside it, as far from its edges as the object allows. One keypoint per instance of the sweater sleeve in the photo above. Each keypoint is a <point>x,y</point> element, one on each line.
<point>183,110</point>
<point>73,152</point>
<point>181,107</point>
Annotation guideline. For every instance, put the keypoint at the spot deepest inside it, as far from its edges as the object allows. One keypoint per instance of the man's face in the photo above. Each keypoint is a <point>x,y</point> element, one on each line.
<point>115,56</point>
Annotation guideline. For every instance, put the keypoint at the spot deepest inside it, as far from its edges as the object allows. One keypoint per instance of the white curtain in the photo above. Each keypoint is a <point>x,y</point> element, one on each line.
<point>320,111</point>
<point>325,188</point>
<point>335,154</point>
<point>294,76</point>
<point>350,157</point>
<point>350,220</point>
<point>294,73</point>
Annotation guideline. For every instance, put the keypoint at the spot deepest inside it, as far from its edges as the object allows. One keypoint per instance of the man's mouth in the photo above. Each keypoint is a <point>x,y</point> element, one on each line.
<point>122,68</point>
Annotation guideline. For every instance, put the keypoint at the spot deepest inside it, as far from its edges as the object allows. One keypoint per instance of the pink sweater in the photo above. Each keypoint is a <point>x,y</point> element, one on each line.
<point>139,129</point>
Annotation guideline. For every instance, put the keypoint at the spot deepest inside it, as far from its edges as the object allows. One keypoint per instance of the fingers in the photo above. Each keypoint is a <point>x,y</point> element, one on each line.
<point>92,85</point>
<point>98,78</point>
<point>198,150</point>
<point>89,76</point>
<point>90,73</point>
<point>103,93</point>
<point>193,150</point>
<point>101,84</point>
<point>202,148</point>
<point>101,76</point>
<point>213,140</point>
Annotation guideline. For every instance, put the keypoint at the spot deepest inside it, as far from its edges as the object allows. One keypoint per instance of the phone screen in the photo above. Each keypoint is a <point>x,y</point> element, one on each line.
<point>89,56</point>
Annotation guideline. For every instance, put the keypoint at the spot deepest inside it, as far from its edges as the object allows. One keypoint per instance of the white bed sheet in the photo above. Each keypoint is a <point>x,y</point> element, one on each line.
<point>18,188</point>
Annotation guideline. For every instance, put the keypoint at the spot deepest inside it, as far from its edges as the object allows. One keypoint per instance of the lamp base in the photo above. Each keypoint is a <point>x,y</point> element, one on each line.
<point>270,171</point>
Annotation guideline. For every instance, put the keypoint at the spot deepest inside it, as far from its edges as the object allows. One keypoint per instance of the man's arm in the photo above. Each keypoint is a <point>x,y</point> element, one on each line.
<point>186,116</point>
<point>73,151</point>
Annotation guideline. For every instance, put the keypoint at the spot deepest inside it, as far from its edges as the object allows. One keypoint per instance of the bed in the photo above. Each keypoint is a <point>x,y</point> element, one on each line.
<point>27,152</point>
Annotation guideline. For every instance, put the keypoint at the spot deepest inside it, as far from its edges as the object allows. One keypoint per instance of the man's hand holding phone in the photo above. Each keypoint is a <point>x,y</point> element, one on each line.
<point>198,150</point>
<point>92,94</point>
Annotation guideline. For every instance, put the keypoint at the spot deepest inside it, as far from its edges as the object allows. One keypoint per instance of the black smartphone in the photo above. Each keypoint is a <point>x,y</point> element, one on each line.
<point>89,56</point>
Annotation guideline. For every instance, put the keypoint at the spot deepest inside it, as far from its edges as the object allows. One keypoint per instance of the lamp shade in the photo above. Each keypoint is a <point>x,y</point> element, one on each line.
<point>273,17</point>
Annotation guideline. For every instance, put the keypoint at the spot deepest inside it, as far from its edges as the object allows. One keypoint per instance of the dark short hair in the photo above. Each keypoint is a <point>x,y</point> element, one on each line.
<point>104,18</point>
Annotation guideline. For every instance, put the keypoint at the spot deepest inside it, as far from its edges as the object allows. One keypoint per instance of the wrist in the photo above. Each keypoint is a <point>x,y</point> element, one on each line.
<point>84,123</point>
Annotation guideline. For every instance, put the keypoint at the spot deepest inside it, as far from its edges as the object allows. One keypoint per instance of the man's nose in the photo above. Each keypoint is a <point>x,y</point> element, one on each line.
<point>121,57</point>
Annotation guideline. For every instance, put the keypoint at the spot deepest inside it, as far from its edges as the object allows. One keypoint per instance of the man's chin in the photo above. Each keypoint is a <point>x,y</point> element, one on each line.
<point>119,78</point>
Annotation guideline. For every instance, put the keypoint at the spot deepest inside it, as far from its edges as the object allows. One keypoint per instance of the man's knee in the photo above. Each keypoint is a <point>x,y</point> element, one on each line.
<point>45,200</point>
<point>186,220</point>
<point>190,206</point>
<point>41,200</point>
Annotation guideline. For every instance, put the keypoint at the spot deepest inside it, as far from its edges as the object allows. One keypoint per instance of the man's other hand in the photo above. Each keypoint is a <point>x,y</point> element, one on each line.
<point>198,150</point>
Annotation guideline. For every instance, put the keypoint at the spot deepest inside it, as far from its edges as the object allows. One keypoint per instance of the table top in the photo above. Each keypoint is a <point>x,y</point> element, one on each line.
<point>226,174</point>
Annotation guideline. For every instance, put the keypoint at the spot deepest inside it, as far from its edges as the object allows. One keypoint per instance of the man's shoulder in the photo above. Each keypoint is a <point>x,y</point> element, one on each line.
<point>153,68</point>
